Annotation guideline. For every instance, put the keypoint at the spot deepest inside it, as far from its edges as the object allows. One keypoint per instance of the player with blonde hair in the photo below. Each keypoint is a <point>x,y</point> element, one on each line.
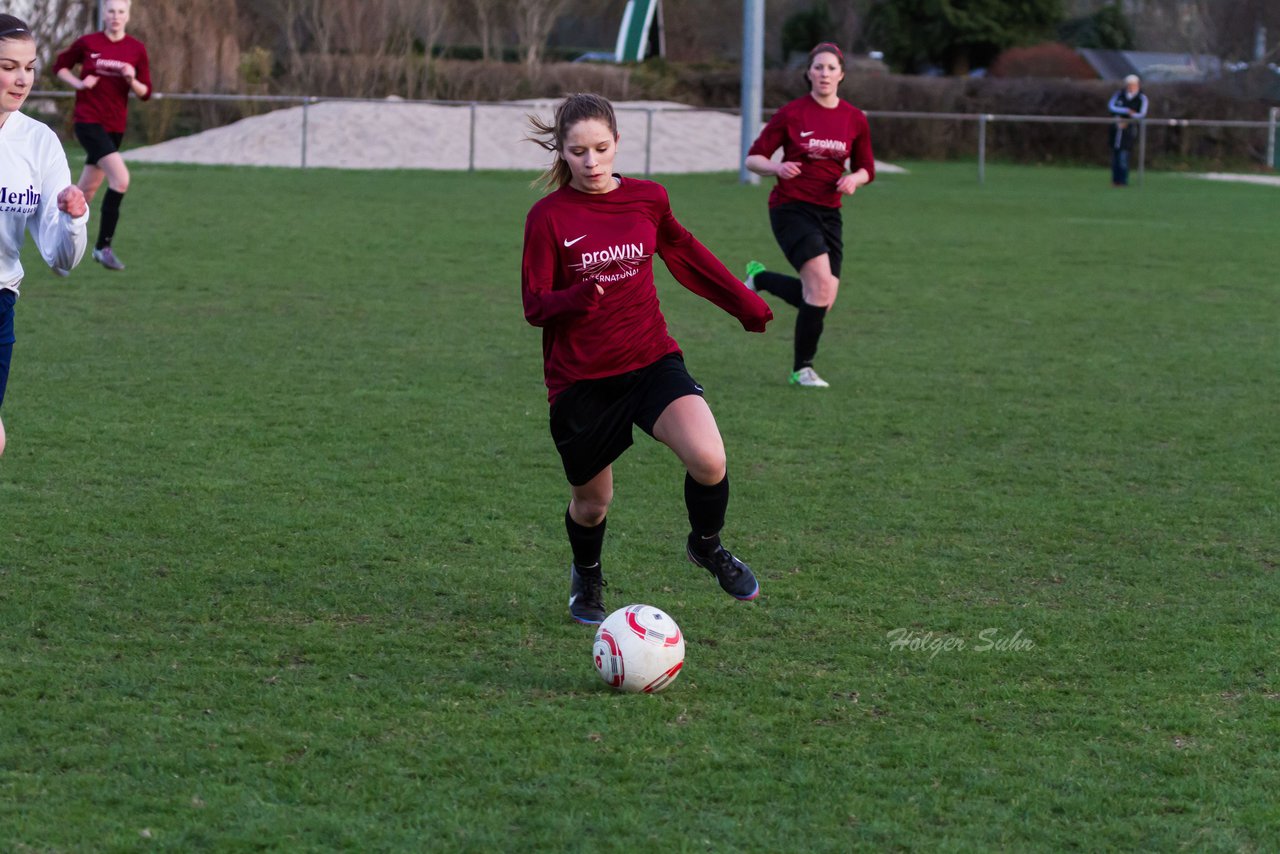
<point>113,64</point>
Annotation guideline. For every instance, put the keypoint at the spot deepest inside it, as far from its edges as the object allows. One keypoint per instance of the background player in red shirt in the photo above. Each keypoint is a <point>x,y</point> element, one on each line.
<point>608,360</point>
<point>112,64</point>
<point>818,134</point>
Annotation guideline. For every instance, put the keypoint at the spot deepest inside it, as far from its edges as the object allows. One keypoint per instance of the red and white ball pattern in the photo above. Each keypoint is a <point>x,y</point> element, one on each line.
<point>638,648</point>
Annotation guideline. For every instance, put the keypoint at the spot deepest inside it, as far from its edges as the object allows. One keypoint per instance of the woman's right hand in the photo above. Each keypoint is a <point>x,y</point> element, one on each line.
<point>71,201</point>
<point>89,81</point>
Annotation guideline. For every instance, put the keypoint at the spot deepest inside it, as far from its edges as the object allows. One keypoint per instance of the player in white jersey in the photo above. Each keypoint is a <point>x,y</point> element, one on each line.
<point>36,193</point>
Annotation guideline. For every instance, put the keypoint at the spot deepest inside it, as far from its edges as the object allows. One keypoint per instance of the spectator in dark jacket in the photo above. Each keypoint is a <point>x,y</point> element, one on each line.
<point>1129,106</point>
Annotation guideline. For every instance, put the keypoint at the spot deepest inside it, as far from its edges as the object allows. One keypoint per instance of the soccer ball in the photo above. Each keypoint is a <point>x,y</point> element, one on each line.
<point>638,649</point>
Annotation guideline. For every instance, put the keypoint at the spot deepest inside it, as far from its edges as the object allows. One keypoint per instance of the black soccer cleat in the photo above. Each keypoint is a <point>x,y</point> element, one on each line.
<point>735,577</point>
<point>586,596</point>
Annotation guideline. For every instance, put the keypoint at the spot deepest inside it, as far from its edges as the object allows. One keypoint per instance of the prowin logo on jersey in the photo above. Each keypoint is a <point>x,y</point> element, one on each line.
<point>613,264</point>
<point>110,67</point>
<point>23,201</point>
<point>834,148</point>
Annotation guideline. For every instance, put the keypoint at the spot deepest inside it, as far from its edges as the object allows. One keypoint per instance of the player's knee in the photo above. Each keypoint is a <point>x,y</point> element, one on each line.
<point>590,512</point>
<point>823,293</point>
<point>820,289</point>
<point>708,467</point>
<point>830,285</point>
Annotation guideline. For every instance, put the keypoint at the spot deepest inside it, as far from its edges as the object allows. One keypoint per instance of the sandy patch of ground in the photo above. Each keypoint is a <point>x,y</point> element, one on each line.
<point>396,134</point>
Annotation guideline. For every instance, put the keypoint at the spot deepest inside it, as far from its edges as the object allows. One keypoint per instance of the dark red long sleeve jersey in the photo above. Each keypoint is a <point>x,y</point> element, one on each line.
<point>574,241</point>
<point>820,139</point>
<point>107,103</point>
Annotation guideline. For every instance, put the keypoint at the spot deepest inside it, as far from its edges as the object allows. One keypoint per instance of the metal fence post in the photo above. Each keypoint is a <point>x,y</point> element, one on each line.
<point>1271,138</point>
<point>304,132</point>
<point>1142,152</point>
<point>471,153</point>
<point>648,140</point>
<point>752,83</point>
<point>982,147</point>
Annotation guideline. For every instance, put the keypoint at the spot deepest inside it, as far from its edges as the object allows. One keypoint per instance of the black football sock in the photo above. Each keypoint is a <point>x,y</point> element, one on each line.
<point>787,287</point>
<point>809,322</point>
<point>586,543</point>
<point>110,216</point>
<point>707,506</point>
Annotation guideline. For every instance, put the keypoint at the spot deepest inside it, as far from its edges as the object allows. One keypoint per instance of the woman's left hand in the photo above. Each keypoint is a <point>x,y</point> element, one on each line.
<point>71,200</point>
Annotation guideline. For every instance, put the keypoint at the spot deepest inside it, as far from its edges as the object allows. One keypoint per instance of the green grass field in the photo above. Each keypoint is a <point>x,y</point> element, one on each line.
<point>283,567</point>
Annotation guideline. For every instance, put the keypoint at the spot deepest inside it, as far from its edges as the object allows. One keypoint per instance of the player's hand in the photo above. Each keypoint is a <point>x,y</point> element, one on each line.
<point>128,72</point>
<point>848,184</point>
<point>89,81</point>
<point>71,201</point>
<point>788,169</point>
<point>587,294</point>
<point>757,321</point>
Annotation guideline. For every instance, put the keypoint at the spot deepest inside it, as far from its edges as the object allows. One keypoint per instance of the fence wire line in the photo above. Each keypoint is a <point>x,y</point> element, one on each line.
<point>980,119</point>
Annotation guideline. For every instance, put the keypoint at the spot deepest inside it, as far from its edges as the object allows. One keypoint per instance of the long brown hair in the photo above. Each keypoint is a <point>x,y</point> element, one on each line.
<point>573,109</point>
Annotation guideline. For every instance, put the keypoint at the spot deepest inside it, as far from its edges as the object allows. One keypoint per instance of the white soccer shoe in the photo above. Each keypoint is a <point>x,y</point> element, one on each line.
<point>808,378</point>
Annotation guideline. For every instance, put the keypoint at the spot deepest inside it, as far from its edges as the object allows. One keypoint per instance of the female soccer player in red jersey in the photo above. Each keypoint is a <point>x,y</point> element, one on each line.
<point>36,193</point>
<point>608,360</point>
<point>112,64</point>
<point>818,134</point>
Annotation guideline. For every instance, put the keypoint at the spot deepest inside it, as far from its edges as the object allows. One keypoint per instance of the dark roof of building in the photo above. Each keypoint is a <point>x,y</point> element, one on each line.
<point>1151,65</point>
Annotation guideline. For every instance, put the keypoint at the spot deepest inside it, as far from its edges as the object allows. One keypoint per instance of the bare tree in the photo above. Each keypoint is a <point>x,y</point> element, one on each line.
<point>417,25</point>
<point>1197,27</point>
<point>313,31</point>
<point>361,48</point>
<point>57,23</point>
<point>690,37</point>
<point>193,45</point>
<point>291,18</point>
<point>534,20</point>
<point>1233,29</point>
<point>487,19</point>
<point>1178,26</point>
<point>425,20</point>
